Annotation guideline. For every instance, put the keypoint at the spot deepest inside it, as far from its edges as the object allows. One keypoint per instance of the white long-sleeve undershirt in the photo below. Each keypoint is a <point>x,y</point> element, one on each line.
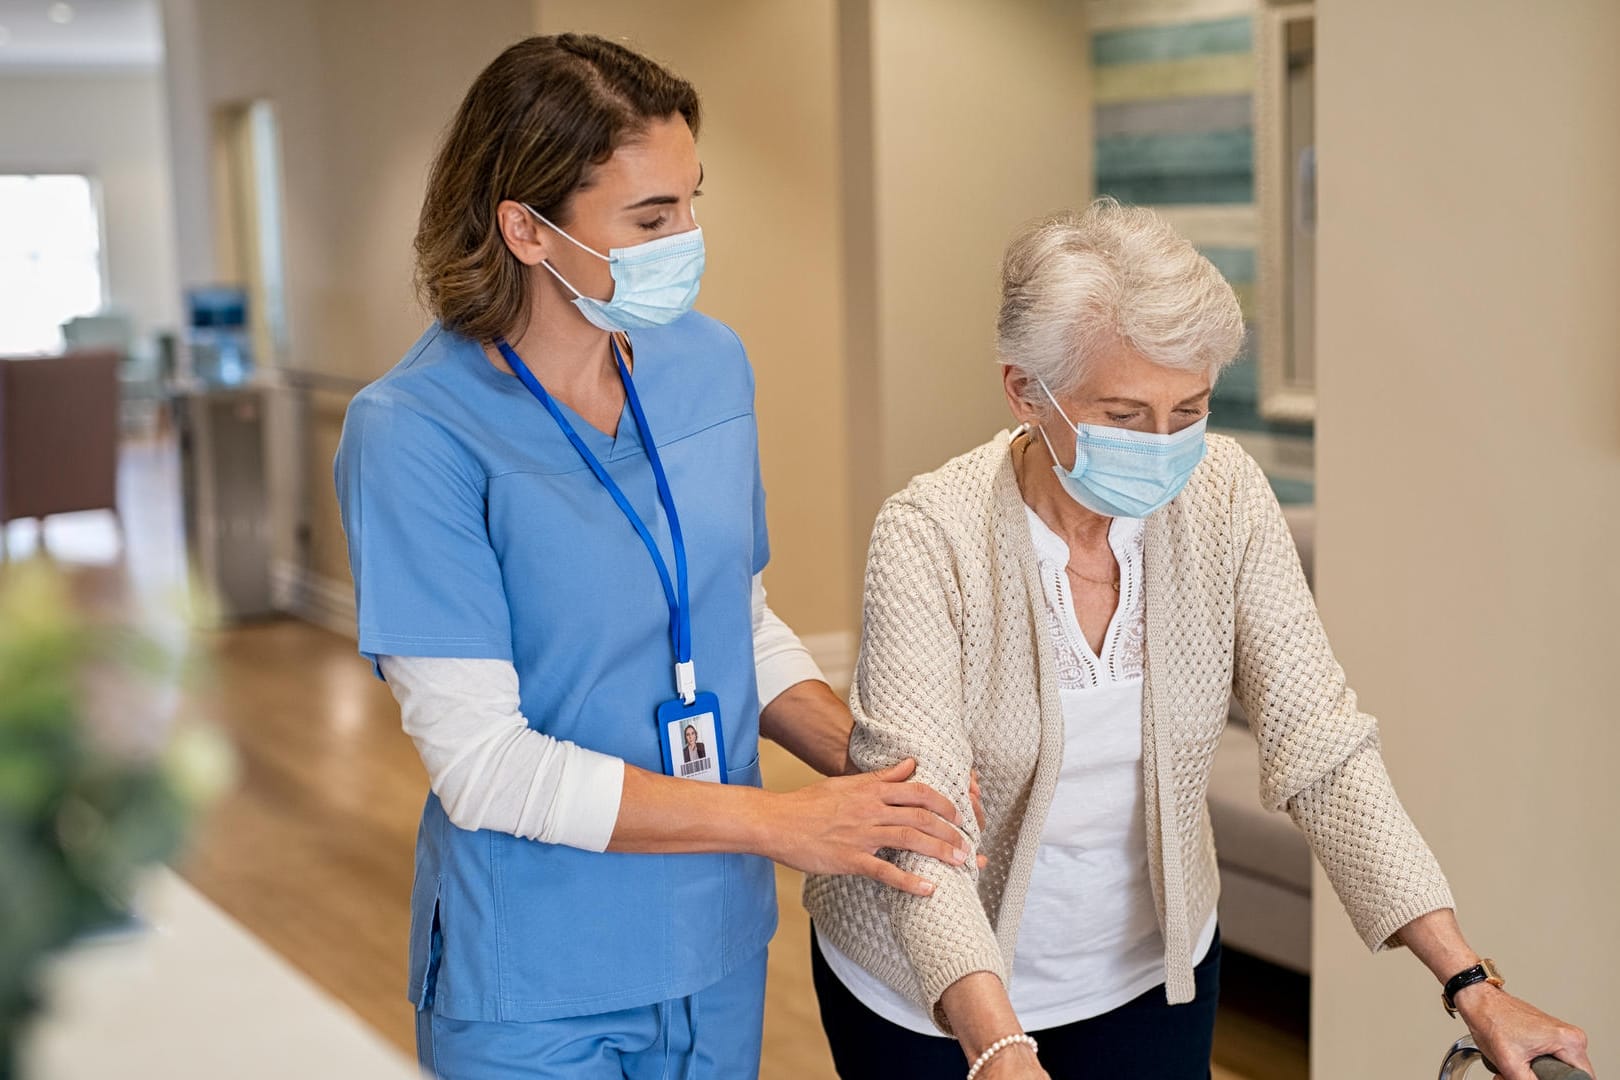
<point>490,770</point>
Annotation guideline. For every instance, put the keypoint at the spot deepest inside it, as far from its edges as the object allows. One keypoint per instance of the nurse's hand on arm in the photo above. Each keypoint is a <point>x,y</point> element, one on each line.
<point>800,711</point>
<point>412,497</point>
<point>835,826</point>
<point>492,771</point>
<point>813,724</point>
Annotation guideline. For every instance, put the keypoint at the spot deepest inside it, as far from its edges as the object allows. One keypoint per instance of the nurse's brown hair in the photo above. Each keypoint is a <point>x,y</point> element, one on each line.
<point>533,125</point>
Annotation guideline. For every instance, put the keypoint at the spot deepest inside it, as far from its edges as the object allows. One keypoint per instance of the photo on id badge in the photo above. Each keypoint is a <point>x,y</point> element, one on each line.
<point>692,743</point>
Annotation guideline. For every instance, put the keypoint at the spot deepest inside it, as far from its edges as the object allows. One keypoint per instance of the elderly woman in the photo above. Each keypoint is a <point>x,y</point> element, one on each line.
<point>1068,609</point>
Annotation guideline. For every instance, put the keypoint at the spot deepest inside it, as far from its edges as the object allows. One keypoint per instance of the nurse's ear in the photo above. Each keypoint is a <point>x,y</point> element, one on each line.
<point>525,237</point>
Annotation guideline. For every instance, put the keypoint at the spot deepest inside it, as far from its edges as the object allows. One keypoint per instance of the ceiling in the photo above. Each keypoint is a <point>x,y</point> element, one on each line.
<point>51,35</point>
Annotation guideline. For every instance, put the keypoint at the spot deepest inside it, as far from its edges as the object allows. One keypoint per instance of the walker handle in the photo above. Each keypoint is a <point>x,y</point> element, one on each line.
<point>1546,1067</point>
<point>1551,1068</point>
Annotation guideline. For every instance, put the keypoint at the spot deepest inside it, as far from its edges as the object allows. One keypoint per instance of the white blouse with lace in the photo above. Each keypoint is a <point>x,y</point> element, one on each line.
<point>1089,940</point>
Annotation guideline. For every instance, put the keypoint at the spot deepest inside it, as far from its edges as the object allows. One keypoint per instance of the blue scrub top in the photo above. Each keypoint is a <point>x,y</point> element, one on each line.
<point>476,530</point>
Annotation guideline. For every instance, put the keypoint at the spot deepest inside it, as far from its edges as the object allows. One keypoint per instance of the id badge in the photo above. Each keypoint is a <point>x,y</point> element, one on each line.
<point>691,738</point>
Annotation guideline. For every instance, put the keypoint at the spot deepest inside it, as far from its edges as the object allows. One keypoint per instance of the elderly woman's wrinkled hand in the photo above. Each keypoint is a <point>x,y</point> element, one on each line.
<point>1512,1032</point>
<point>1014,1063</point>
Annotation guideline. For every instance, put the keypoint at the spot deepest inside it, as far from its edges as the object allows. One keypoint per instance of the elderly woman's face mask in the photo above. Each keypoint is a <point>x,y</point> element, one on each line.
<point>1118,472</point>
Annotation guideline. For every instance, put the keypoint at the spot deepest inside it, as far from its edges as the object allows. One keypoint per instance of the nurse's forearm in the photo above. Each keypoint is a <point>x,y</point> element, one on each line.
<point>812,724</point>
<point>659,813</point>
<point>834,826</point>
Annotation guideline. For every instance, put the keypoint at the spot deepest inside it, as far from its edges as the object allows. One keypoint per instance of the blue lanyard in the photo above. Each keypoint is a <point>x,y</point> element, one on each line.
<point>680,604</point>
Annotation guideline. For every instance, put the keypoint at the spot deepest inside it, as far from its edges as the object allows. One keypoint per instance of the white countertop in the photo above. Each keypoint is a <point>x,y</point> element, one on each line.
<point>197,996</point>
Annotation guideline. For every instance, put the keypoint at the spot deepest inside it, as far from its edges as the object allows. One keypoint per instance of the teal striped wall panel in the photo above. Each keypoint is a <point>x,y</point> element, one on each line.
<point>1214,112</point>
<point>1182,190</point>
<point>1192,153</point>
<point>1140,44</point>
<point>1235,264</point>
<point>1164,147</point>
<point>1159,143</point>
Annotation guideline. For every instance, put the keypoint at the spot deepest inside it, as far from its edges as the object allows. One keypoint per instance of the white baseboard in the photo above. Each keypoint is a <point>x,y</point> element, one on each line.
<point>313,598</point>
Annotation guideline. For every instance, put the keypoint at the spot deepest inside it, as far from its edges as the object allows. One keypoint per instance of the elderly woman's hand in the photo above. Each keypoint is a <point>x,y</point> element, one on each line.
<point>1014,1063</point>
<point>1512,1033</point>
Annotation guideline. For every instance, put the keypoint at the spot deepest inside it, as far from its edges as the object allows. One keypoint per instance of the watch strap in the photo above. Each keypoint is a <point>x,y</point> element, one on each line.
<point>1482,972</point>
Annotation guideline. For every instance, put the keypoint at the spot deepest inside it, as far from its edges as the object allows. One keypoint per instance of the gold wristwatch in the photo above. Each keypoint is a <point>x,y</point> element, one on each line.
<point>1482,972</point>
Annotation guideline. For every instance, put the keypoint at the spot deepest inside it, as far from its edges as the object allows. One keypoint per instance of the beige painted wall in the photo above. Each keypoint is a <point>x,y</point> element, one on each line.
<point>770,213</point>
<point>112,127</point>
<point>392,76</point>
<point>362,90</point>
<point>982,120</point>
<point>1468,464</point>
<point>960,119</point>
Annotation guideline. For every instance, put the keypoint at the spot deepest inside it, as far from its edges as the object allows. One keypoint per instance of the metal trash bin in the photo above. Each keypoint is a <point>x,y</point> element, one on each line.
<point>225,495</point>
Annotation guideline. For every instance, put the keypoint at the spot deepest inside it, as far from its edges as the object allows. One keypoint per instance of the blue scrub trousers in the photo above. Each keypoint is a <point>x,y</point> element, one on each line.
<point>713,1034</point>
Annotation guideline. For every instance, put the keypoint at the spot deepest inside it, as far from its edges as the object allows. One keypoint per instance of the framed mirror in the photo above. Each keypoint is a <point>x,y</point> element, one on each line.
<point>1285,197</point>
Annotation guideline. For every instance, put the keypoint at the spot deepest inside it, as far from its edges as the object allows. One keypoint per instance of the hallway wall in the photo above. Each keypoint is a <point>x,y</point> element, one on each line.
<point>1468,471</point>
<point>767,77</point>
<point>362,90</point>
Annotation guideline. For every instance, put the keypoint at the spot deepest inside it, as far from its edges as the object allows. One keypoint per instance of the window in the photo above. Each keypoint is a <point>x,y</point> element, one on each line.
<point>50,259</point>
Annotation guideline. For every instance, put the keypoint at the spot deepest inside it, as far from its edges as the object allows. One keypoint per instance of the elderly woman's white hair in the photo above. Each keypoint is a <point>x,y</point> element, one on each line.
<point>1080,283</point>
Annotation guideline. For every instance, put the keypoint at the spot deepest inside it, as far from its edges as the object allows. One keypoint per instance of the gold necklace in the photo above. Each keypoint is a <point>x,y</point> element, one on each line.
<point>1115,583</point>
<point>1069,567</point>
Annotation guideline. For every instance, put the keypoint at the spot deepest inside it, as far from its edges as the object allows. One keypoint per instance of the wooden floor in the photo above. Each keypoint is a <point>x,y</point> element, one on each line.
<point>312,851</point>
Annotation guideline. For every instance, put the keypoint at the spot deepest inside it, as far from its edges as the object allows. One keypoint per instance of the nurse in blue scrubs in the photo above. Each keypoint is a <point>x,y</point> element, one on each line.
<point>556,529</point>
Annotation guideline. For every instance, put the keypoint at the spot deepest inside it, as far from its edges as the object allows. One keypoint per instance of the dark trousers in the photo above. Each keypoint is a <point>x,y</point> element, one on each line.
<point>1144,1037</point>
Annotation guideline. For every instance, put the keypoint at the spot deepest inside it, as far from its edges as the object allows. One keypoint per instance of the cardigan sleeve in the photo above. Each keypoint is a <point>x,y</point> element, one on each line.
<point>908,701</point>
<point>1319,753</point>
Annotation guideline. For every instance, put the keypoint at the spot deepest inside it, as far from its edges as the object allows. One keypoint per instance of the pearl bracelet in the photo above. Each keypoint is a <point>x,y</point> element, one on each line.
<point>996,1047</point>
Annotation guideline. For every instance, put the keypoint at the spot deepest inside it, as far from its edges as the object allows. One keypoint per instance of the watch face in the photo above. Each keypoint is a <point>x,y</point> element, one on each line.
<point>1490,970</point>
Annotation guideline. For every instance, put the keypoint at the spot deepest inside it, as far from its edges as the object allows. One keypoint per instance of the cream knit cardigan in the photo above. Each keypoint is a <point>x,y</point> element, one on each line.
<point>956,670</point>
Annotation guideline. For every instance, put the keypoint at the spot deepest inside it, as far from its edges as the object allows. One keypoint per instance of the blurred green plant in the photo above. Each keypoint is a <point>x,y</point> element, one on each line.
<point>81,815</point>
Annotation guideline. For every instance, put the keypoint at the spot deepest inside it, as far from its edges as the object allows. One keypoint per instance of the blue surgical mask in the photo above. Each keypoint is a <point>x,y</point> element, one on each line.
<point>1122,473</point>
<point>653,283</point>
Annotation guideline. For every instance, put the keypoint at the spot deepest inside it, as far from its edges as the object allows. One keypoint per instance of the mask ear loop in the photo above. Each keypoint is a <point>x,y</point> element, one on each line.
<point>550,225</point>
<point>1049,449</point>
<point>1042,427</point>
<point>1053,399</point>
<point>565,282</point>
<point>547,262</point>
